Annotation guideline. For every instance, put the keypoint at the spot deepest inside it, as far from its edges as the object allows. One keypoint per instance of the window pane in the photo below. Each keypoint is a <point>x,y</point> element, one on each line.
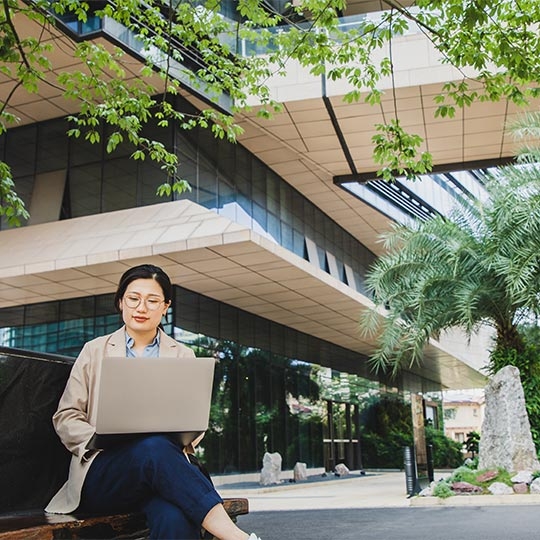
<point>52,153</point>
<point>85,190</point>
<point>150,178</point>
<point>119,184</point>
<point>82,151</point>
<point>21,150</point>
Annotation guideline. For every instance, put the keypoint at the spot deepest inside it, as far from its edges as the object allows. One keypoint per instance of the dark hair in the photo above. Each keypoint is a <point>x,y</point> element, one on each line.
<point>143,271</point>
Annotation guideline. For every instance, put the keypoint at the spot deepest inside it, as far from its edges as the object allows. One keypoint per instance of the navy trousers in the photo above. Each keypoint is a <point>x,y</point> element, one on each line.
<point>153,475</point>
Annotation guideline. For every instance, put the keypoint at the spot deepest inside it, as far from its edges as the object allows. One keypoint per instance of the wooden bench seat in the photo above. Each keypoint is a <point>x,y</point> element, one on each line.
<point>36,525</point>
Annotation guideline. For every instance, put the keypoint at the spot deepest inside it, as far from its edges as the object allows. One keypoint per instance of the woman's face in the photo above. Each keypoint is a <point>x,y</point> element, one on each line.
<point>143,305</point>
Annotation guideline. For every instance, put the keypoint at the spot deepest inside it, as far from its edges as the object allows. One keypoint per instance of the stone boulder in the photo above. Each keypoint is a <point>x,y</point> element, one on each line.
<point>499,488</point>
<point>535,486</point>
<point>341,469</point>
<point>426,492</point>
<point>506,433</point>
<point>300,472</point>
<point>487,476</point>
<point>522,477</point>
<point>271,470</point>
<point>465,487</point>
<point>521,488</point>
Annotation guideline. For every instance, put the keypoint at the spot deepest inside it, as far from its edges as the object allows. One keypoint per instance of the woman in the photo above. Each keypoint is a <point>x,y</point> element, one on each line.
<point>153,473</point>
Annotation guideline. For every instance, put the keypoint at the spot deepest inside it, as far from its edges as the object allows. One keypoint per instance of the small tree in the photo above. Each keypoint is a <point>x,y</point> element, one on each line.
<point>472,443</point>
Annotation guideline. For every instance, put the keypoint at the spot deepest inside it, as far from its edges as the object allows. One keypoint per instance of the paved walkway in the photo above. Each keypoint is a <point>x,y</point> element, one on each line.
<point>376,507</point>
<point>374,490</point>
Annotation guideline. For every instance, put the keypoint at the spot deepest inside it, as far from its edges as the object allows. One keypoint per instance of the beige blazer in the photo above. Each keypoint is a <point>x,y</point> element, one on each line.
<point>75,417</point>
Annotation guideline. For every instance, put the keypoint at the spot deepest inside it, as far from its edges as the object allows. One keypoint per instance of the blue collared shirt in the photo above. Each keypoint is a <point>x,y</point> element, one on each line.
<point>150,351</point>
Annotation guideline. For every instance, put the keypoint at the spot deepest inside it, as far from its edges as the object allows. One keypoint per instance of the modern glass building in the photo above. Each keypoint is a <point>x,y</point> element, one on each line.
<point>268,254</point>
<point>274,389</point>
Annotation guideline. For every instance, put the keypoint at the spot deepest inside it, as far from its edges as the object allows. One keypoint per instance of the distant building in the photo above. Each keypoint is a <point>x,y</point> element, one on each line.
<point>463,412</point>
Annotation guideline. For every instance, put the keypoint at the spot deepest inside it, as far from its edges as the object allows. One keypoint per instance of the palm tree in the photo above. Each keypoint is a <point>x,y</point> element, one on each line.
<point>479,266</point>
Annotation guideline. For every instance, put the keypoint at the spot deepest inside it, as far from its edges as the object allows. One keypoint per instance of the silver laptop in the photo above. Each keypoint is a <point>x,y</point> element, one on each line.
<point>138,396</point>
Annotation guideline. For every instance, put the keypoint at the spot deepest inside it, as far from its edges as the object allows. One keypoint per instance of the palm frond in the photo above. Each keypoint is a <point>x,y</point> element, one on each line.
<point>525,126</point>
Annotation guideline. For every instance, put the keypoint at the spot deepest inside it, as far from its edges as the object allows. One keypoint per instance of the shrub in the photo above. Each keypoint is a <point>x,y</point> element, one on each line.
<point>443,490</point>
<point>472,444</point>
<point>446,452</point>
<point>385,452</point>
<point>464,474</point>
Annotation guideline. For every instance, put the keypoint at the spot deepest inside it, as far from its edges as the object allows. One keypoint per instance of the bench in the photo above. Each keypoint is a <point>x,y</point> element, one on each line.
<point>34,463</point>
<point>36,525</point>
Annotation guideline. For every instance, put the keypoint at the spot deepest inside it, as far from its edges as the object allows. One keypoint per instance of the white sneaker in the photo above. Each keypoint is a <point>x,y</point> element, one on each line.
<point>253,536</point>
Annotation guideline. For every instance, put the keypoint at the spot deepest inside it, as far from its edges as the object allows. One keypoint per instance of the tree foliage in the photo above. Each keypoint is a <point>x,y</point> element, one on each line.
<point>494,45</point>
<point>480,266</point>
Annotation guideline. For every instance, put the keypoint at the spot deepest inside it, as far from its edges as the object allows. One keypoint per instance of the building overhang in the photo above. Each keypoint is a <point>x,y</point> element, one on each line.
<point>308,142</point>
<point>206,253</point>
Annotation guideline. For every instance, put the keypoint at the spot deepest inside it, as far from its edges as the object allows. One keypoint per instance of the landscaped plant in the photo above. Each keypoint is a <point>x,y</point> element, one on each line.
<point>446,452</point>
<point>480,266</point>
<point>472,443</point>
<point>443,490</point>
<point>463,474</point>
<point>471,463</point>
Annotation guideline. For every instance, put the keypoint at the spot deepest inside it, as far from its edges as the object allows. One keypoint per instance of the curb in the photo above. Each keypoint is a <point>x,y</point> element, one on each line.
<point>477,500</point>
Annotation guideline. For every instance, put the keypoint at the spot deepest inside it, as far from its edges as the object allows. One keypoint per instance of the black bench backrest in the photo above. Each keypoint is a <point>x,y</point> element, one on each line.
<point>33,461</point>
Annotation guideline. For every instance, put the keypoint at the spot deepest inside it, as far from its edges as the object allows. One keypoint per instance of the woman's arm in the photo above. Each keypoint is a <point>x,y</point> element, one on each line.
<point>71,420</point>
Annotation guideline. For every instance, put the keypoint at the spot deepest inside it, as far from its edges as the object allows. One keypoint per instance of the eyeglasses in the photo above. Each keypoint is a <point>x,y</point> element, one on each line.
<point>133,302</point>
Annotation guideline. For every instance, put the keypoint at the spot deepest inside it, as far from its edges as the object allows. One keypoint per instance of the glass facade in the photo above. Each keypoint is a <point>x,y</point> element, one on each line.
<point>272,391</point>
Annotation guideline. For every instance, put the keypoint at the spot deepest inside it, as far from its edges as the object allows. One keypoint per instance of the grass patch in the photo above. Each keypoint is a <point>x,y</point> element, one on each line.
<point>464,474</point>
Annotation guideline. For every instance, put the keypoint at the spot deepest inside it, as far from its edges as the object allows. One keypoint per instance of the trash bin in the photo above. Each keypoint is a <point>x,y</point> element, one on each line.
<point>409,463</point>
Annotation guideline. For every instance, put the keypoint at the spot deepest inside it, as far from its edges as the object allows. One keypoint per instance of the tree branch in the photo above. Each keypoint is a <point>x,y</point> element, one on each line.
<point>407,14</point>
<point>7,10</point>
